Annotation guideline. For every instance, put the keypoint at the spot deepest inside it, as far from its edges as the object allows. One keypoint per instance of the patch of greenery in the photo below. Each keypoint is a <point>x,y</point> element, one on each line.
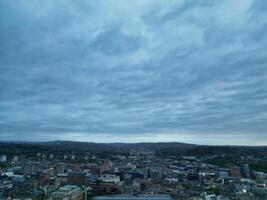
<point>262,167</point>
<point>222,161</point>
<point>5,165</point>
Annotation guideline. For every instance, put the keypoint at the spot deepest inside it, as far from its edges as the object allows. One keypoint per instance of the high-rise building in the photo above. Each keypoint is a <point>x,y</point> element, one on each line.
<point>245,171</point>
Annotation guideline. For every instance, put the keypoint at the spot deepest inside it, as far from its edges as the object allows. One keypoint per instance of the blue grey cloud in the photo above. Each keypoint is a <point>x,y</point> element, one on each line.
<point>134,71</point>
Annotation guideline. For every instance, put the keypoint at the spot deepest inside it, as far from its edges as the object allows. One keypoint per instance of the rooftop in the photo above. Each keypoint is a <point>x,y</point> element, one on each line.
<point>137,197</point>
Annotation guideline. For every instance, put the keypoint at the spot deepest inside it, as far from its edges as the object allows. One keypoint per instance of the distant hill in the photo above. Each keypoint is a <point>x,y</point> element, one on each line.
<point>87,146</point>
<point>169,147</point>
<point>118,146</point>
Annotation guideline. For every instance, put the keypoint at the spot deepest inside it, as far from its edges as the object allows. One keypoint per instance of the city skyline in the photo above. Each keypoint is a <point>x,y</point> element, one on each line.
<point>134,71</point>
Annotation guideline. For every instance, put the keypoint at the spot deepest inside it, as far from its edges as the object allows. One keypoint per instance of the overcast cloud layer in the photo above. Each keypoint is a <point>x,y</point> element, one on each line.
<point>130,71</point>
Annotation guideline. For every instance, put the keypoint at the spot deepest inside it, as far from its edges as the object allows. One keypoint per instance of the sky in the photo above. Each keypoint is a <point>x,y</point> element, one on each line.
<point>134,71</point>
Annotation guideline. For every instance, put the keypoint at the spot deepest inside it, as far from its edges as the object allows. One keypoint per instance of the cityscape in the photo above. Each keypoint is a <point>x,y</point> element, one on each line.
<point>65,170</point>
<point>133,99</point>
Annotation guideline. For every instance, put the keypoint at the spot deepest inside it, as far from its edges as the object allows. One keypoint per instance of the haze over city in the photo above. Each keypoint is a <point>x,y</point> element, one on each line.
<point>134,71</point>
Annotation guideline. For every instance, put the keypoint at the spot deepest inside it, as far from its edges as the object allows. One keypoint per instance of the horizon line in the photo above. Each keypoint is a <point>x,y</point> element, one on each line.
<point>47,141</point>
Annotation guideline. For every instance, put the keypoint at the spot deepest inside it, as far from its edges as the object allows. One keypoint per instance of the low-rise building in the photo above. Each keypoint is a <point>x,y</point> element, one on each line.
<point>67,192</point>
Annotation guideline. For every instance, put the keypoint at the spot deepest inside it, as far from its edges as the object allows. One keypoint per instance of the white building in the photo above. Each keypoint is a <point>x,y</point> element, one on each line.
<point>109,178</point>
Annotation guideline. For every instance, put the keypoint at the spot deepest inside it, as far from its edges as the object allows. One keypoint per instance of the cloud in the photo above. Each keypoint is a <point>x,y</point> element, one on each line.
<point>134,71</point>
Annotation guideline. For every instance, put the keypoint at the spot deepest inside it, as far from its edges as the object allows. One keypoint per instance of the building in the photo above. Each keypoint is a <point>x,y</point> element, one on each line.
<point>261,192</point>
<point>235,172</point>
<point>76,178</point>
<point>67,192</point>
<point>61,179</point>
<point>135,197</point>
<point>3,158</point>
<point>155,175</point>
<point>5,185</point>
<point>192,176</point>
<point>258,176</point>
<point>73,157</point>
<point>60,168</point>
<point>109,178</point>
<point>31,167</point>
<point>245,171</point>
<point>15,158</point>
<point>89,178</point>
<point>43,178</point>
<point>223,174</point>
